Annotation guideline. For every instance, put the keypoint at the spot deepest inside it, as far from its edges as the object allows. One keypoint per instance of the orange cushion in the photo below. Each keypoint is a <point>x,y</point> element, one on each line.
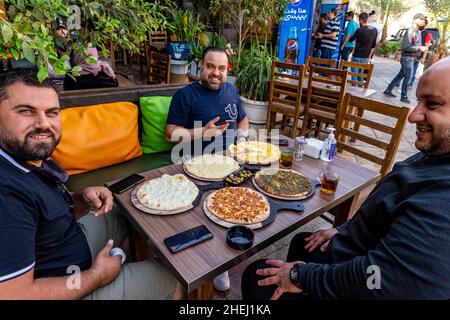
<point>98,136</point>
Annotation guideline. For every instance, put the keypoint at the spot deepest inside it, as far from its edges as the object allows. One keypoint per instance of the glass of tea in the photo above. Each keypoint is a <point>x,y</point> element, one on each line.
<point>330,182</point>
<point>287,156</point>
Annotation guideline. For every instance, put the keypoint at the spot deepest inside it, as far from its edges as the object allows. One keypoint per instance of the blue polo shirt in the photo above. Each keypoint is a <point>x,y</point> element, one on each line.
<point>38,228</point>
<point>196,102</point>
<point>350,29</point>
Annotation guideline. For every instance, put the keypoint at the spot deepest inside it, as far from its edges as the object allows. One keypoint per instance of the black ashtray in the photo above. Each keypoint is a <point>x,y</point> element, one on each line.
<point>240,237</point>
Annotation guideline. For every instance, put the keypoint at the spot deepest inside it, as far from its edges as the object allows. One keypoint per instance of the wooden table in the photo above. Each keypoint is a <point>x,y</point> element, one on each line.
<point>196,266</point>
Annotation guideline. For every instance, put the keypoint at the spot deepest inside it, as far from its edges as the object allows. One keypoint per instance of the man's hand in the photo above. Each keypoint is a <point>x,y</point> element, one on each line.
<point>105,267</point>
<point>278,275</point>
<point>320,238</point>
<point>319,35</point>
<point>99,198</point>
<point>422,61</point>
<point>211,130</point>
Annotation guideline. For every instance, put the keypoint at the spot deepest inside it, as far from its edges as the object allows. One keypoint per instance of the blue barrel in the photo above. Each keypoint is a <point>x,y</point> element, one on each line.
<point>179,50</point>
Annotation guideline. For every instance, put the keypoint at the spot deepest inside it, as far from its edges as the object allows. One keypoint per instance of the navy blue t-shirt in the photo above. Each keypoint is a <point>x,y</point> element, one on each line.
<point>38,228</point>
<point>196,102</point>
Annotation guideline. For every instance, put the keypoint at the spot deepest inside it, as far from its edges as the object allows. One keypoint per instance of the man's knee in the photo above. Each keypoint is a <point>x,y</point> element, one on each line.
<point>249,284</point>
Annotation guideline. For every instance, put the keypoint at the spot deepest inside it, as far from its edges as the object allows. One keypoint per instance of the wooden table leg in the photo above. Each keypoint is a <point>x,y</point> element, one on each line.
<point>205,292</point>
<point>342,211</point>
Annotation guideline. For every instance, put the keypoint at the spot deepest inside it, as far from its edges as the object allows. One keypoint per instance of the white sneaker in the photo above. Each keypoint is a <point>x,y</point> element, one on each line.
<point>222,282</point>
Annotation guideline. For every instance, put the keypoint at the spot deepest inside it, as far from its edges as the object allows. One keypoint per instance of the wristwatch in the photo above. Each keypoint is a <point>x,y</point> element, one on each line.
<point>294,272</point>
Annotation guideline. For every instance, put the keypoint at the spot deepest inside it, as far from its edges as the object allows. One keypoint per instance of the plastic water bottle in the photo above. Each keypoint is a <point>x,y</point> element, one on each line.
<point>329,147</point>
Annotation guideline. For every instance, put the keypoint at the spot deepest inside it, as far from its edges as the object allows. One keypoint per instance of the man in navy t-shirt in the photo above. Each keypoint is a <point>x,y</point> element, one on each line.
<point>45,253</point>
<point>208,114</point>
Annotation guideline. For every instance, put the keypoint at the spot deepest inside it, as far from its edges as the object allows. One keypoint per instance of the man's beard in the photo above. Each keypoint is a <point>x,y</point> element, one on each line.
<point>440,142</point>
<point>25,151</point>
<point>204,81</point>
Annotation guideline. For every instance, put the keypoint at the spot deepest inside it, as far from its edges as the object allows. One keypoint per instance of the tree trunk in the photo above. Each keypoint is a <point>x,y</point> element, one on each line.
<point>384,34</point>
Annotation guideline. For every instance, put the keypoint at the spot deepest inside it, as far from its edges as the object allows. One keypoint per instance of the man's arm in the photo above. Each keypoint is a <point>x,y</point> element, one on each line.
<point>407,44</point>
<point>243,127</point>
<point>103,271</point>
<point>175,134</point>
<point>392,269</point>
<point>345,41</point>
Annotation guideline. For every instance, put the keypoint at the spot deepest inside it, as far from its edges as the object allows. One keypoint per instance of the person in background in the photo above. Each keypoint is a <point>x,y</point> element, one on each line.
<point>366,41</point>
<point>427,37</point>
<point>318,41</point>
<point>411,52</point>
<point>373,21</point>
<point>348,46</point>
<point>329,37</point>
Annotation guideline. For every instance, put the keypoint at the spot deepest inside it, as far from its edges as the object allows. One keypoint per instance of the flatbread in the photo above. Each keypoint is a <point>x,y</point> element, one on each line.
<point>239,205</point>
<point>283,182</point>
<point>211,166</point>
<point>255,152</point>
<point>167,192</point>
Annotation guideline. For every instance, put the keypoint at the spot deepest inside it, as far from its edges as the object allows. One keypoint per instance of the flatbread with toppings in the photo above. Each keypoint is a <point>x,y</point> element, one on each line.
<point>211,166</point>
<point>167,192</point>
<point>255,152</point>
<point>283,182</point>
<point>238,205</point>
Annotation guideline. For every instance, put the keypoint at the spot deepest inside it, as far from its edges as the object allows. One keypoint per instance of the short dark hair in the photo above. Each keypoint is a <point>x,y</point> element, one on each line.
<point>323,15</point>
<point>363,17</point>
<point>333,11</point>
<point>350,14</point>
<point>213,49</point>
<point>26,76</point>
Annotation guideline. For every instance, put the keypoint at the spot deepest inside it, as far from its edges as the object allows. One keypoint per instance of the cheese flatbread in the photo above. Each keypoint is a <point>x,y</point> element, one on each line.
<point>255,152</point>
<point>239,205</point>
<point>211,166</point>
<point>167,192</point>
<point>283,182</point>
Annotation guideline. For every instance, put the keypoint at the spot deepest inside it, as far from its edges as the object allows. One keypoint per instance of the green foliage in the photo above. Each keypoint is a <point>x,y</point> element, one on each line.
<point>441,11</point>
<point>206,39</point>
<point>392,46</point>
<point>184,27</point>
<point>254,72</point>
<point>248,15</point>
<point>124,23</point>
<point>27,35</point>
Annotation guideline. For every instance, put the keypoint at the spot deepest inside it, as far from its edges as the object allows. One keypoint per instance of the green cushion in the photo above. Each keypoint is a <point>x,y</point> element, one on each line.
<point>154,116</point>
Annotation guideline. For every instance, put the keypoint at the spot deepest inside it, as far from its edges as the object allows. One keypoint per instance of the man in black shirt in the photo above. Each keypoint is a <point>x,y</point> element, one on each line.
<point>366,41</point>
<point>45,252</point>
<point>397,245</point>
<point>320,29</point>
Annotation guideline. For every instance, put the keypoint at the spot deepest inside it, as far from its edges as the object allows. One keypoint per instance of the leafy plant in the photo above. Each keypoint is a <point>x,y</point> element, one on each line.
<point>184,27</point>
<point>123,23</point>
<point>206,39</point>
<point>26,34</point>
<point>248,15</point>
<point>441,11</point>
<point>392,46</point>
<point>254,72</point>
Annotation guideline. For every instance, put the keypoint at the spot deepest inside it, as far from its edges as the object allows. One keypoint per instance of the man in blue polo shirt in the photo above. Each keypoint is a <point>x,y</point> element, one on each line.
<point>347,46</point>
<point>207,113</point>
<point>45,252</point>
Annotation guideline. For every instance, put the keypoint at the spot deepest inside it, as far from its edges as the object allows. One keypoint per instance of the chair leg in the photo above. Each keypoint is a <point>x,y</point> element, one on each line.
<point>317,128</point>
<point>283,122</point>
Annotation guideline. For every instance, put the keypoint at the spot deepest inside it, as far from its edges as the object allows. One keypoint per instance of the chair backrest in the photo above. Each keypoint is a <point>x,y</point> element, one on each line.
<point>362,70</point>
<point>286,81</point>
<point>390,134</point>
<point>158,70</point>
<point>324,93</point>
<point>158,39</point>
<point>327,63</point>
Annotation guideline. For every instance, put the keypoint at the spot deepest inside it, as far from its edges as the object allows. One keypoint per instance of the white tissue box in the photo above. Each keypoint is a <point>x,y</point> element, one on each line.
<point>313,148</point>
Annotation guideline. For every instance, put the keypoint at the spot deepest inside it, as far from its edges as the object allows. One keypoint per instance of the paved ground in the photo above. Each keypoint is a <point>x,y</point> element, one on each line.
<point>384,72</point>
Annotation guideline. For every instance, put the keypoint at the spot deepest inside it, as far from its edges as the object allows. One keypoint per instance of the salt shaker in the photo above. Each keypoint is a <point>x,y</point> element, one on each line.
<point>299,148</point>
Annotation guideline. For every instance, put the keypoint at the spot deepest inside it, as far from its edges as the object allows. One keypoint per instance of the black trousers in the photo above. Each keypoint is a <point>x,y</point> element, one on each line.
<point>249,283</point>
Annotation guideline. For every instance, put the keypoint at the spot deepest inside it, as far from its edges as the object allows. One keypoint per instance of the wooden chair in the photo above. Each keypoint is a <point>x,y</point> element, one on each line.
<point>285,94</point>
<point>382,151</point>
<point>158,40</point>
<point>327,63</point>
<point>158,69</point>
<point>366,75</point>
<point>324,98</point>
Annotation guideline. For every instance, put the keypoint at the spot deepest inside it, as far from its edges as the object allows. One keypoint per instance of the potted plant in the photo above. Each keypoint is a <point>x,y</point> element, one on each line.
<point>392,47</point>
<point>253,81</point>
<point>205,39</point>
<point>183,30</point>
<point>27,38</point>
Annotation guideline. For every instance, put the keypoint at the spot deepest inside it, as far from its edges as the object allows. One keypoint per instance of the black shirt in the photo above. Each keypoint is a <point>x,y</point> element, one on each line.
<point>366,40</point>
<point>38,228</point>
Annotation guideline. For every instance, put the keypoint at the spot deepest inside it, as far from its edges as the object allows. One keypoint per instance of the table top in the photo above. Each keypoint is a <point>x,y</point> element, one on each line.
<point>196,265</point>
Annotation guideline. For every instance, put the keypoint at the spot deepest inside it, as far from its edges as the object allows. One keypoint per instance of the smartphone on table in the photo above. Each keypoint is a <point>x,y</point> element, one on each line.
<point>188,238</point>
<point>126,183</point>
